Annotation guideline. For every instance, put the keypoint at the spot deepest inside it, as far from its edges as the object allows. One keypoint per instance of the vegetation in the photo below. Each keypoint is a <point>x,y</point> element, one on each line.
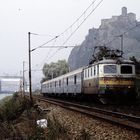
<point>53,70</point>
<point>18,118</point>
<point>13,117</point>
<point>18,121</point>
<point>56,130</point>
<point>13,107</point>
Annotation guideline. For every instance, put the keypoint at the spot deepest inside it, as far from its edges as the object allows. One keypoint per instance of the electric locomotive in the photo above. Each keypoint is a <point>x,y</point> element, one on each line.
<point>110,78</point>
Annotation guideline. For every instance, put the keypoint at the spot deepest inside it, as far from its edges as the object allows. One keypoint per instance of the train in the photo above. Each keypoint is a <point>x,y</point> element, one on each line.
<point>105,78</point>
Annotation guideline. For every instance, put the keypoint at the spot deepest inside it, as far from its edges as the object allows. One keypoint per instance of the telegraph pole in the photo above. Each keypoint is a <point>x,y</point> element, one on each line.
<point>23,79</point>
<point>121,36</point>
<point>30,80</point>
<point>31,50</point>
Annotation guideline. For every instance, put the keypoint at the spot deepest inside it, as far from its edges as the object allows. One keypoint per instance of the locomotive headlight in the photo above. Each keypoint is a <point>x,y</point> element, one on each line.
<point>129,86</point>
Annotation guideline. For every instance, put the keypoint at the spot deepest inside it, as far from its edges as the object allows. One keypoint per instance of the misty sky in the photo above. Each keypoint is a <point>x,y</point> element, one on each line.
<point>48,18</point>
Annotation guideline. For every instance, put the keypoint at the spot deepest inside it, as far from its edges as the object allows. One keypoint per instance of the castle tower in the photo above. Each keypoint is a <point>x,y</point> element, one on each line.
<point>124,11</point>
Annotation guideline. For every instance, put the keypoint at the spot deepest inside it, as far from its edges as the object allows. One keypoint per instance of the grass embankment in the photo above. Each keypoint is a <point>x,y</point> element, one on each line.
<point>18,121</point>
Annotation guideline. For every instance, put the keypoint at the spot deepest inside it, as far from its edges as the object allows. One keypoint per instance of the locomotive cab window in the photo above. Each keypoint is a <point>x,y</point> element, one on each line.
<point>110,69</point>
<point>126,69</point>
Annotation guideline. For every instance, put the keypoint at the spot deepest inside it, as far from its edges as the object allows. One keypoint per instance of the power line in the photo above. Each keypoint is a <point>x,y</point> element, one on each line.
<point>83,14</point>
<point>83,22</point>
<point>70,26</point>
<point>45,43</point>
<point>54,42</point>
<point>62,47</point>
<point>58,46</point>
<point>78,17</point>
<point>123,33</point>
<point>78,26</point>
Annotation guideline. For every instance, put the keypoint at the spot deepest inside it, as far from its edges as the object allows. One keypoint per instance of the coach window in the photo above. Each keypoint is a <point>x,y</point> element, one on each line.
<point>91,71</point>
<point>59,83</point>
<point>75,79</point>
<point>85,73</point>
<point>67,82</point>
<point>97,69</point>
<point>94,70</point>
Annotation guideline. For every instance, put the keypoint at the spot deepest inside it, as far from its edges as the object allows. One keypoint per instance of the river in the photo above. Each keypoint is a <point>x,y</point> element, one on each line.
<point>2,95</point>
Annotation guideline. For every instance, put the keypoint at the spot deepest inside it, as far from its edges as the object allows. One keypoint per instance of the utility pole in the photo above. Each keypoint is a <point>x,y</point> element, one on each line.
<point>31,50</point>
<point>121,36</point>
<point>23,79</point>
<point>30,78</point>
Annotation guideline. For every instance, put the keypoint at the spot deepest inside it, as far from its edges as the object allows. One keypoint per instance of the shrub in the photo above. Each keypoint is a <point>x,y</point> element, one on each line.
<point>38,134</point>
<point>56,130</point>
<point>13,108</point>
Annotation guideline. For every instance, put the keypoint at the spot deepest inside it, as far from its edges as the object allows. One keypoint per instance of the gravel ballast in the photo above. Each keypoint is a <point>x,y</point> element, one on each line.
<point>96,129</point>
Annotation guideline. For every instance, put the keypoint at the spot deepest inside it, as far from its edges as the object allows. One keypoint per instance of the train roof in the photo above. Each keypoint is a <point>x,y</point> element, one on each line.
<point>65,75</point>
<point>111,61</point>
<point>115,61</point>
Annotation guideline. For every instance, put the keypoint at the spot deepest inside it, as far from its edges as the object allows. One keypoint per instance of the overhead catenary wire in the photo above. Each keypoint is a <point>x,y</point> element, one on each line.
<point>97,42</point>
<point>75,22</point>
<point>115,36</point>
<point>70,25</point>
<point>83,14</point>
<point>45,43</point>
<point>62,47</point>
<point>123,33</point>
<point>83,22</point>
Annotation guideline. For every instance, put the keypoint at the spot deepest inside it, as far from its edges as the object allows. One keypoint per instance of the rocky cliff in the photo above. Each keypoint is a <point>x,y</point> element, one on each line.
<point>108,34</point>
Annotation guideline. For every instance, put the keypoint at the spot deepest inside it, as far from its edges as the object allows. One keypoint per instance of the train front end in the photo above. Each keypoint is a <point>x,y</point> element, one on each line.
<point>117,78</point>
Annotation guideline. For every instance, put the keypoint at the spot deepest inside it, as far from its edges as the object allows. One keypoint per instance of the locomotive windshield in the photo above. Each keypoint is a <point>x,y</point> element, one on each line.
<point>126,69</point>
<point>110,69</point>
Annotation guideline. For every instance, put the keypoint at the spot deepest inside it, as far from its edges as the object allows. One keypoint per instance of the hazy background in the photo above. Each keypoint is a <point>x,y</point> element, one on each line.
<point>48,18</point>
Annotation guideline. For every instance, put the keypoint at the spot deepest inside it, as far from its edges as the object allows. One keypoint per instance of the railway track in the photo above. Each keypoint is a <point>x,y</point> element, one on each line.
<point>127,121</point>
